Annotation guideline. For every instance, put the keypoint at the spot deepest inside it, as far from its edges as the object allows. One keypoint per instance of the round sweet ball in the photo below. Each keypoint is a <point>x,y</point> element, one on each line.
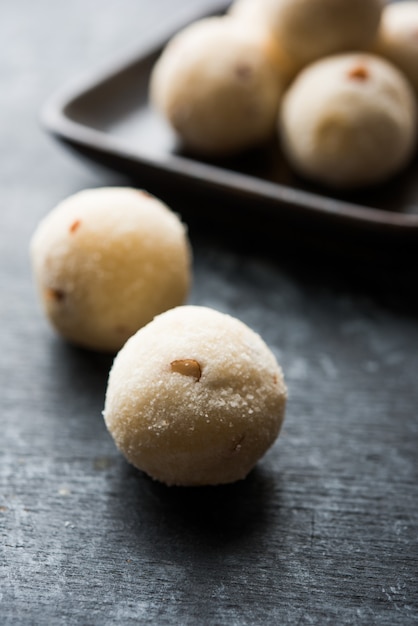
<point>218,86</point>
<point>310,29</point>
<point>106,261</point>
<point>348,121</point>
<point>256,15</point>
<point>398,38</point>
<point>195,398</point>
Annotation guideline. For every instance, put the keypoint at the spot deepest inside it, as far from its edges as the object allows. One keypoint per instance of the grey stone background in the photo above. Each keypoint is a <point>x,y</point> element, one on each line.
<point>324,531</point>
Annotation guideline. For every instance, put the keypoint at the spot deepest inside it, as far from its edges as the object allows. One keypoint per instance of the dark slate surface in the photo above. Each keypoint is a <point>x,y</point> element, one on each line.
<point>324,531</point>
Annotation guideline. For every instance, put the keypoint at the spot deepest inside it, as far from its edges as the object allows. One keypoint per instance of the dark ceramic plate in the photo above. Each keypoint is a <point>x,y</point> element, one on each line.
<point>106,116</point>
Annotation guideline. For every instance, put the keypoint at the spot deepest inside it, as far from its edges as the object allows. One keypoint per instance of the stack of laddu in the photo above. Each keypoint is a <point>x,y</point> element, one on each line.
<point>337,80</point>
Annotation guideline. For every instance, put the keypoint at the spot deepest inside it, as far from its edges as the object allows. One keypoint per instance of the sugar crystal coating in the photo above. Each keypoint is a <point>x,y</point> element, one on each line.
<point>206,426</point>
<point>106,261</point>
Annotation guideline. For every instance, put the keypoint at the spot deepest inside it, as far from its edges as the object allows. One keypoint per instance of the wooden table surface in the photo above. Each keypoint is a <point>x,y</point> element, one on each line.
<point>324,531</point>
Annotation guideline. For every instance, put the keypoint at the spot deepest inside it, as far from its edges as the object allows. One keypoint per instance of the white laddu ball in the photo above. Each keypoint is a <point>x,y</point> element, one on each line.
<point>195,398</point>
<point>398,38</point>
<point>254,16</point>
<point>106,261</point>
<point>306,30</point>
<point>349,120</point>
<point>218,86</point>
